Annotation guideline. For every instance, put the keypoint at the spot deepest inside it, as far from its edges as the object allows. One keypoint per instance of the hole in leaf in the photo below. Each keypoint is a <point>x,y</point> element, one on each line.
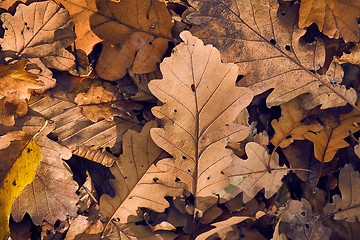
<point>239,78</point>
<point>208,178</point>
<point>193,87</point>
<point>288,136</point>
<point>177,179</point>
<point>272,41</point>
<point>155,179</point>
<point>150,43</point>
<point>189,170</point>
<point>283,13</point>
<point>175,110</point>
<point>226,124</point>
<point>307,225</point>
<point>302,213</point>
<point>183,157</point>
<point>116,219</point>
<point>287,47</point>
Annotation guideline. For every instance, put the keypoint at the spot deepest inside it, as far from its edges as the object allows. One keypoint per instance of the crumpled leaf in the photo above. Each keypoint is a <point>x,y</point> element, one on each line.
<point>41,30</point>
<point>346,207</point>
<point>17,169</point>
<point>200,104</point>
<point>16,86</point>
<point>331,137</point>
<point>330,18</point>
<point>268,50</point>
<point>105,102</point>
<point>131,41</point>
<point>96,155</point>
<point>252,175</point>
<point>353,57</point>
<point>301,223</point>
<point>289,126</point>
<point>135,176</point>
<point>223,225</point>
<point>74,130</point>
<point>52,193</point>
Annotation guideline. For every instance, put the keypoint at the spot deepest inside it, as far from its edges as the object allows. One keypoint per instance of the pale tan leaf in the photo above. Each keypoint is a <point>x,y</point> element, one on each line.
<point>331,137</point>
<point>200,104</point>
<point>137,183</point>
<point>267,48</point>
<point>357,150</point>
<point>346,207</point>
<point>252,175</point>
<point>335,18</point>
<point>226,224</point>
<point>51,195</point>
<point>301,223</point>
<point>41,30</point>
<point>289,126</point>
<point>353,57</point>
<point>96,155</point>
<point>105,102</point>
<point>8,138</point>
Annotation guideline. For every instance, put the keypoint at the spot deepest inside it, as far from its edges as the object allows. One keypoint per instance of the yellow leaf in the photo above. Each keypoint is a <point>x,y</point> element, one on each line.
<point>20,174</point>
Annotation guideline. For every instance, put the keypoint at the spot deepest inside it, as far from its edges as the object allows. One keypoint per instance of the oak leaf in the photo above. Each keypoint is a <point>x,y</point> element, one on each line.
<point>301,223</point>
<point>268,49</point>
<point>200,104</point>
<point>252,175</point>
<point>353,57</point>
<point>346,207</point>
<point>131,41</point>
<point>105,102</point>
<point>289,126</point>
<point>16,86</point>
<point>135,176</point>
<point>41,30</point>
<point>331,137</point>
<point>330,18</point>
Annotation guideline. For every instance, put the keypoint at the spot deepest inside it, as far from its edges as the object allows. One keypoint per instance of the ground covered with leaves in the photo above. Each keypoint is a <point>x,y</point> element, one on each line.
<point>174,119</point>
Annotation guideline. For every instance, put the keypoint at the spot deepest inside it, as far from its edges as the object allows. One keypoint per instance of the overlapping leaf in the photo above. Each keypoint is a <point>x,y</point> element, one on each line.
<point>39,32</point>
<point>136,33</point>
<point>268,49</point>
<point>330,18</point>
<point>346,207</point>
<point>138,183</point>
<point>252,175</point>
<point>105,102</point>
<point>16,86</point>
<point>200,104</point>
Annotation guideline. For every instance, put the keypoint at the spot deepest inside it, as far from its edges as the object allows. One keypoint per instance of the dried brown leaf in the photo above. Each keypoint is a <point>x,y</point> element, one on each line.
<point>105,102</point>
<point>353,57</point>
<point>137,183</point>
<point>200,104</point>
<point>252,175</point>
<point>41,30</point>
<point>330,18</point>
<point>331,137</point>
<point>346,207</point>
<point>301,223</point>
<point>16,86</point>
<point>268,49</point>
<point>131,41</point>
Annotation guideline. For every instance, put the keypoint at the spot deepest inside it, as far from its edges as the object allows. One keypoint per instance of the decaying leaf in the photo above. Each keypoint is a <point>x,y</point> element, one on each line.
<point>15,176</point>
<point>51,195</point>
<point>331,137</point>
<point>353,57</point>
<point>299,222</point>
<point>16,86</point>
<point>251,175</point>
<point>346,207</point>
<point>200,104</point>
<point>135,176</point>
<point>335,18</point>
<point>289,126</point>
<point>39,31</point>
<point>226,224</point>
<point>268,49</point>
<point>105,102</point>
